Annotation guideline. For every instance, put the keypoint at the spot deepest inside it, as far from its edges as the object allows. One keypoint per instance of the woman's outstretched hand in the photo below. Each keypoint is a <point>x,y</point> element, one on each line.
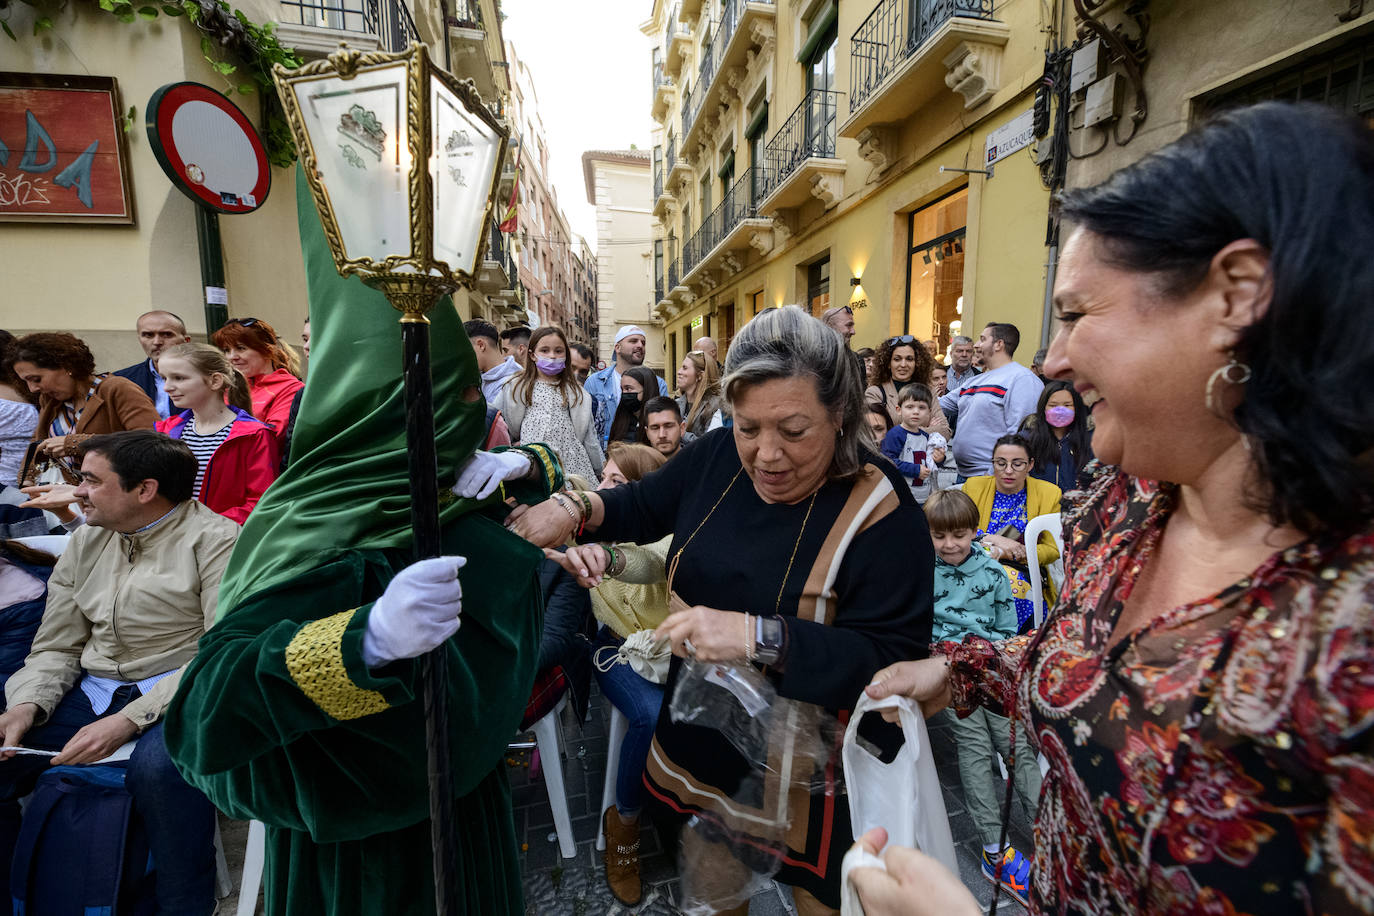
<point>925,680</point>
<point>913,885</point>
<point>584,562</point>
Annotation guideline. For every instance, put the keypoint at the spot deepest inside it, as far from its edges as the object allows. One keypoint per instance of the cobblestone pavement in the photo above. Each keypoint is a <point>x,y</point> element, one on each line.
<point>555,886</point>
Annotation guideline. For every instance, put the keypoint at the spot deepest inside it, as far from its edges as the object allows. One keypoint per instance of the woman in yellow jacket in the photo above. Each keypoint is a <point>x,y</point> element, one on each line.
<point>1006,501</point>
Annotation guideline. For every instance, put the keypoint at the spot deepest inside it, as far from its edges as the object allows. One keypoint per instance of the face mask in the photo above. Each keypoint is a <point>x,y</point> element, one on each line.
<point>550,366</point>
<point>629,399</point>
<point>1059,416</point>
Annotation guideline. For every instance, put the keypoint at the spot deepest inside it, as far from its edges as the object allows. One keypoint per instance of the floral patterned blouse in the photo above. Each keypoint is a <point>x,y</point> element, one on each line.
<point>1216,761</point>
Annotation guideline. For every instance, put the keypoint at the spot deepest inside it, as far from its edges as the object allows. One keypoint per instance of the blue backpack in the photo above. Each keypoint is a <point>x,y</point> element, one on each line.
<point>82,851</point>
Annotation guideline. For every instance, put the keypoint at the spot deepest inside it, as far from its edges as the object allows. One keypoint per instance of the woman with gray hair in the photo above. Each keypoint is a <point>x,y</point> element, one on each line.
<point>782,556</point>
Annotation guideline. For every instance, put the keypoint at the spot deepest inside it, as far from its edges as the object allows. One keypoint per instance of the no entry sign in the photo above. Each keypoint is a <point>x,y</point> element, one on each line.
<point>208,147</point>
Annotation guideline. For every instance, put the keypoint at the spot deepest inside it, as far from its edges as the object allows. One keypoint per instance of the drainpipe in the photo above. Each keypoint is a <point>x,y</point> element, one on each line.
<point>1048,315</point>
<point>443,32</point>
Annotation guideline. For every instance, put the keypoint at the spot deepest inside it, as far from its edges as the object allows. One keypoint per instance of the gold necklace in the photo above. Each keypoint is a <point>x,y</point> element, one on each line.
<point>777,604</point>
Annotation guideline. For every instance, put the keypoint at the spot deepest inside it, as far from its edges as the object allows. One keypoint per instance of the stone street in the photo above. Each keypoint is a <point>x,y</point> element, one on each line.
<point>555,886</point>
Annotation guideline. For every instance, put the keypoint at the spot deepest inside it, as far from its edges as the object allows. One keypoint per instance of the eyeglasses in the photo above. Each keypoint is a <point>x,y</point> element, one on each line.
<point>1020,464</point>
<point>245,322</point>
<point>904,339</point>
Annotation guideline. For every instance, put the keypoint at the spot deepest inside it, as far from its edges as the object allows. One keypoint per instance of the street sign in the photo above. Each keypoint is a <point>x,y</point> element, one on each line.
<point>208,148</point>
<point>1016,134</point>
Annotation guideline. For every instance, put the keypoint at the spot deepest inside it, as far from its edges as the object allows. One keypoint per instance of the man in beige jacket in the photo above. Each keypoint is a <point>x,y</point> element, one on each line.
<point>127,602</point>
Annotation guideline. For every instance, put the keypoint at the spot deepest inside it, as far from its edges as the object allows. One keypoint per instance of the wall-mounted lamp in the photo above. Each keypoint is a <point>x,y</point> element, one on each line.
<point>853,281</point>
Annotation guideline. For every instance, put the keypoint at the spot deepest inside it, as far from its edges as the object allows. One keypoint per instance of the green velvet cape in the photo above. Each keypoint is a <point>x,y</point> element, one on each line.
<point>277,719</point>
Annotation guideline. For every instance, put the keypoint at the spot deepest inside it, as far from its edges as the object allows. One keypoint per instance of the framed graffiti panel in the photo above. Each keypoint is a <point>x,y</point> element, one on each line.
<point>63,154</point>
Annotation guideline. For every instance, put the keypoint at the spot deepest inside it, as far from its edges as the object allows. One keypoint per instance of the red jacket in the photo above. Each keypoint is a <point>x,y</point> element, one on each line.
<point>272,397</point>
<point>240,470</point>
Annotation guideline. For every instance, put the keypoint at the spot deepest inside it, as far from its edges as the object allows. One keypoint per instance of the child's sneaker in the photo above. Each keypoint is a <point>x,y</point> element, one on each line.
<point>1015,872</point>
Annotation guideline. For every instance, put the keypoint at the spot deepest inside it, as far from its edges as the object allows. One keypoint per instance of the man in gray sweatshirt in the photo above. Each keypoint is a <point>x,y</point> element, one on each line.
<point>992,404</point>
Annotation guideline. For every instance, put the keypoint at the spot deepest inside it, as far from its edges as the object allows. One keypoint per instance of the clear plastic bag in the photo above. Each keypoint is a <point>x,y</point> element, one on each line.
<point>732,849</point>
<point>737,701</point>
<point>744,706</point>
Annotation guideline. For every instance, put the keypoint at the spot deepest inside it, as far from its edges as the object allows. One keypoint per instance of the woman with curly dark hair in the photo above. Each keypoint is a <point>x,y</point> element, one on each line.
<point>73,402</point>
<point>1057,436</point>
<point>901,361</point>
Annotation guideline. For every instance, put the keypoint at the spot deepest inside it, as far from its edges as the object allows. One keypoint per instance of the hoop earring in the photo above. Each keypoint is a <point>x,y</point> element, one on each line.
<point>1233,373</point>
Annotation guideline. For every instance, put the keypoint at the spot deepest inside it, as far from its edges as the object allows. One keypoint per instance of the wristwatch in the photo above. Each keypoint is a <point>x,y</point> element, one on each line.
<point>769,640</point>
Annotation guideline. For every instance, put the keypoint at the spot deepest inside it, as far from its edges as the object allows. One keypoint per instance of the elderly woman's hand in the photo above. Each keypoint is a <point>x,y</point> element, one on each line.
<point>584,562</point>
<point>914,883</point>
<point>714,636</point>
<point>547,524</point>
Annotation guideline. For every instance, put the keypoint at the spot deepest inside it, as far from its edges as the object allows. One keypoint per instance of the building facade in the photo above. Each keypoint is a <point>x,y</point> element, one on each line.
<point>819,153</point>
<point>618,185</point>
<point>583,322</point>
<point>1157,69</point>
<point>548,249</point>
<point>94,279</point>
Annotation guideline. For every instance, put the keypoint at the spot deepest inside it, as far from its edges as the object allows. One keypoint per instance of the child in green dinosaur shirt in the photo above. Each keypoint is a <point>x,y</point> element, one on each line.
<point>973,598</point>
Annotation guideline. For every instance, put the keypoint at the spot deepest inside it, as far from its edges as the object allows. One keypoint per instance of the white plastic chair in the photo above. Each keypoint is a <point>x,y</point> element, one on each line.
<point>548,736</point>
<point>1034,528</point>
<point>254,855</point>
<point>619,726</point>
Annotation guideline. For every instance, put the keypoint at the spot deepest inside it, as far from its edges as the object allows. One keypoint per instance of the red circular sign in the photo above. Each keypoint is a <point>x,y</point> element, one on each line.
<point>208,147</point>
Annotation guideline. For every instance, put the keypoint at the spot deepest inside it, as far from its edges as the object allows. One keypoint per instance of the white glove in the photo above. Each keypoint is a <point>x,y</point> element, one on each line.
<point>417,612</point>
<point>488,470</point>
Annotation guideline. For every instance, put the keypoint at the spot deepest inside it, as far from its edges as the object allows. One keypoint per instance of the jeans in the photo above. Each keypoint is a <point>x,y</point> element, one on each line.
<point>179,818</point>
<point>639,701</point>
<point>976,738</point>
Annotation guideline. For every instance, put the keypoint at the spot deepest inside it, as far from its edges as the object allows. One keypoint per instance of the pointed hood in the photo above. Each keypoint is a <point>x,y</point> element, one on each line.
<point>347,484</point>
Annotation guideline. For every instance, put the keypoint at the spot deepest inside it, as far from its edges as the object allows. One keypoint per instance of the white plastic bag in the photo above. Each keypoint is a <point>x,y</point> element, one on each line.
<point>903,796</point>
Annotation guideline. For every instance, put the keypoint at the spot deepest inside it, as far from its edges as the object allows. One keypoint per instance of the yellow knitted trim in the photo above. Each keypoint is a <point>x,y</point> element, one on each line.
<point>314,658</point>
<point>545,459</point>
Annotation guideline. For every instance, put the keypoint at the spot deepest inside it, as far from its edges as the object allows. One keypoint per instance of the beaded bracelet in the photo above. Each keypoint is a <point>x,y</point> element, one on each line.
<point>586,503</point>
<point>568,508</point>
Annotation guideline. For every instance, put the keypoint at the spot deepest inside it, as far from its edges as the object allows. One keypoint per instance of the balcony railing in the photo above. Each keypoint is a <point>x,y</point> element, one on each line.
<point>673,271</point>
<point>661,79</point>
<point>467,14</point>
<point>713,58</point>
<point>670,156</point>
<point>658,180</point>
<point>893,32</point>
<point>658,288</point>
<point>738,204</point>
<point>809,132</point>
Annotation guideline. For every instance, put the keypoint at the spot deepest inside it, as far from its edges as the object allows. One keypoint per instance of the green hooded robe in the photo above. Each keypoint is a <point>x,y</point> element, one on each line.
<point>278,719</point>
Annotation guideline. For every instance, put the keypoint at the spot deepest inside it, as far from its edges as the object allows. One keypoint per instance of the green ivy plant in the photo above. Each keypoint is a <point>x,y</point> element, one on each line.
<point>238,49</point>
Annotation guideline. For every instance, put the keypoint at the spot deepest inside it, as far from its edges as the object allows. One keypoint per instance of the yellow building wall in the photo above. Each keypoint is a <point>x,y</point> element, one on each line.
<point>866,234</point>
<point>94,281</point>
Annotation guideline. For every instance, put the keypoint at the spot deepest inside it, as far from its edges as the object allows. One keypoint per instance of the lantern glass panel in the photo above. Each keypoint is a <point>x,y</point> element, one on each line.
<point>357,128</point>
<point>462,166</point>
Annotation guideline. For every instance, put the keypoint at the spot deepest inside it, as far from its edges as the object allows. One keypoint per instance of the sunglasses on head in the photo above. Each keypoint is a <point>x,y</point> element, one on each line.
<point>245,322</point>
<point>904,339</point>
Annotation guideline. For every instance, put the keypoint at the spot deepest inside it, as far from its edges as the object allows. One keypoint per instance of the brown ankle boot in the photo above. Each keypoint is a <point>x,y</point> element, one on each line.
<point>622,857</point>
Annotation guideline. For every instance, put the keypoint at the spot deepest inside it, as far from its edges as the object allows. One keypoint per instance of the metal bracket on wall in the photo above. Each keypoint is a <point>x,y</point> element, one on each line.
<point>949,168</point>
